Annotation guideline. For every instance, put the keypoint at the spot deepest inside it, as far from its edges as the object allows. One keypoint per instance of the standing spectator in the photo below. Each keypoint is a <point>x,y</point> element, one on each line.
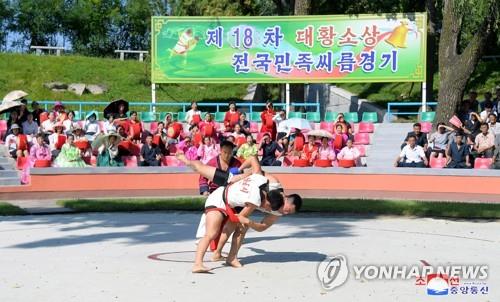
<point>412,155</point>
<point>69,122</point>
<point>421,138</point>
<point>339,138</point>
<point>484,143</point>
<point>268,125</point>
<point>47,127</point>
<point>30,127</point>
<point>472,102</point>
<point>439,139</point>
<point>70,155</point>
<point>208,150</point>
<point>325,151</point>
<point>487,101</point>
<point>231,117</point>
<point>225,161</point>
<point>269,149</point>
<point>457,154</point>
<point>35,106</point>
<point>494,126</point>
<point>39,150</point>
<point>244,124</point>
<point>349,152</point>
<point>193,116</point>
<point>248,149</point>
<point>346,127</point>
<point>278,118</point>
<point>135,127</point>
<point>16,143</point>
<point>150,155</point>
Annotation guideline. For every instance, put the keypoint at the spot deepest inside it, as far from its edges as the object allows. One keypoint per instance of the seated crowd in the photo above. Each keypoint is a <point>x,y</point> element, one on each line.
<point>56,139</point>
<point>473,137</point>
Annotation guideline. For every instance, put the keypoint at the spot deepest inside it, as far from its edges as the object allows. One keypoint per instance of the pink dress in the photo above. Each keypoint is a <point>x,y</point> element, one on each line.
<point>39,152</point>
<point>206,153</point>
<point>348,154</point>
<point>326,153</point>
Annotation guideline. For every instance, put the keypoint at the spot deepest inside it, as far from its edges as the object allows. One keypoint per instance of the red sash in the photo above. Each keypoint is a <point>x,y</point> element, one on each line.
<point>230,215</point>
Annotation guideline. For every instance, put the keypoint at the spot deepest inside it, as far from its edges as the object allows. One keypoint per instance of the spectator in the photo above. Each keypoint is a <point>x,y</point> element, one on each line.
<point>193,116</point>
<point>494,126</point>
<point>472,127</point>
<point>349,152</point>
<point>36,111</point>
<point>39,150</point>
<point>496,100</point>
<point>496,154</point>
<point>412,155</point>
<point>196,136</point>
<point>207,127</point>
<point>284,139</point>
<point>91,126</point>
<point>225,161</point>
<point>30,127</point>
<point>285,145</point>
<point>187,147</point>
<point>248,149</point>
<point>339,138</point>
<point>58,109</point>
<point>487,101</point>
<point>484,143</point>
<point>457,154</point>
<point>346,127</point>
<point>160,138</point>
<point>231,117</point>
<point>268,125</point>
<point>278,118</point>
<point>81,141</point>
<point>13,119</point>
<point>439,139</point>
<point>484,115</point>
<point>16,143</point>
<point>325,151</point>
<point>69,122</point>
<point>168,120</point>
<point>244,124</point>
<point>47,126</point>
<point>135,127</point>
<point>109,124</point>
<point>421,138</point>
<point>57,139</point>
<point>108,154</point>
<point>122,111</point>
<point>237,132</point>
<point>150,155</point>
<point>23,111</point>
<point>472,102</point>
<point>208,150</point>
<point>309,149</point>
<point>269,149</point>
<point>70,155</point>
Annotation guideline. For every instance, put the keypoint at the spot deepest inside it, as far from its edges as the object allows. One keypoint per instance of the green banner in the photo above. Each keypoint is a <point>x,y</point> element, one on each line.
<point>304,49</point>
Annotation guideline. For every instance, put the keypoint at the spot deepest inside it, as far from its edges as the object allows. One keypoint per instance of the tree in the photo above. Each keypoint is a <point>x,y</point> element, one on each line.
<point>465,30</point>
<point>5,18</point>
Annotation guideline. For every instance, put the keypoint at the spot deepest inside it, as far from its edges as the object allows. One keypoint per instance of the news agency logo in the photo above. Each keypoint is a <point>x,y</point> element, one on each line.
<point>333,272</point>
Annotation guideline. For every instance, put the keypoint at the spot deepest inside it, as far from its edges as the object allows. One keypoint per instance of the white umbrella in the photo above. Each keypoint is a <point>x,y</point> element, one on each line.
<point>320,133</point>
<point>14,96</point>
<point>297,123</point>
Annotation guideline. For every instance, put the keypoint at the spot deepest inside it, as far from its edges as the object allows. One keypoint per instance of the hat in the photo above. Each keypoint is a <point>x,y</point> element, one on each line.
<point>15,126</point>
<point>90,114</point>
<point>58,104</point>
<point>57,125</point>
<point>14,96</point>
<point>77,127</point>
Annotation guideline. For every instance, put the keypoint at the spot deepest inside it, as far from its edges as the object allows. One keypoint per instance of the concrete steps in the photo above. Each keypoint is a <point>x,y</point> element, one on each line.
<point>386,143</point>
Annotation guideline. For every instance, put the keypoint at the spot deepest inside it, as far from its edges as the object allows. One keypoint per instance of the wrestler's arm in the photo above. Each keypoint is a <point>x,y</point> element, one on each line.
<point>266,222</point>
<point>247,210</point>
<point>252,163</point>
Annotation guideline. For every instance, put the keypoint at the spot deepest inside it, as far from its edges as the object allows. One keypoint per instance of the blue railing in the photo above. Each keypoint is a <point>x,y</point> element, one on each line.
<point>391,105</point>
<point>162,105</point>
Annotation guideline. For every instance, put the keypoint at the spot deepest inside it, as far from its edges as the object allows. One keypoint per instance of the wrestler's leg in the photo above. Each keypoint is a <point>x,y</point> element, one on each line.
<point>228,229</point>
<point>213,222</point>
<point>238,236</point>
<point>199,167</point>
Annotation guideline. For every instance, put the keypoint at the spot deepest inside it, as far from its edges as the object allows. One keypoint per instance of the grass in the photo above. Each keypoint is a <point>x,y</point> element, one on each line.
<point>311,205</point>
<point>129,79</point>
<point>6,209</point>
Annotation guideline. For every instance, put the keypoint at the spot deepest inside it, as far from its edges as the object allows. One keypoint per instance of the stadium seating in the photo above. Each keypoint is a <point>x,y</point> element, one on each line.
<point>437,162</point>
<point>255,117</point>
<point>219,116</point>
<point>483,163</point>
<point>181,116</point>
<point>361,139</point>
<point>361,149</point>
<point>328,126</point>
<point>370,117</point>
<point>130,161</point>
<point>427,116</point>
<point>330,116</point>
<point>313,117</point>
<point>351,117</point>
<point>366,127</point>
<point>295,115</point>
<point>254,127</point>
<point>147,117</point>
<point>426,127</point>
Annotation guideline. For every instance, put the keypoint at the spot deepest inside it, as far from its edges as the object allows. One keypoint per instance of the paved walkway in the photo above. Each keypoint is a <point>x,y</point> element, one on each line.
<point>107,257</point>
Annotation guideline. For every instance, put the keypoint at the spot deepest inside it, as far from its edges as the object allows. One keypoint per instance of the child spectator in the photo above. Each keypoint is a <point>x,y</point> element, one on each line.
<point>150,155</point>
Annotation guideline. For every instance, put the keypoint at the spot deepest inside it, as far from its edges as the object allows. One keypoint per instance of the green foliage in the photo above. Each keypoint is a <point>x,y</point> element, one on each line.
<point>221,7</point>
<point>5,18</point>
<point>8,209</point>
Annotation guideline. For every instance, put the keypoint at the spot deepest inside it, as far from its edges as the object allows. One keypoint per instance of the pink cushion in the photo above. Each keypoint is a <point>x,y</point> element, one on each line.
<point>171,161</point>
<point>130,161</point>
<point>361,149</point>
<point>361,139</point>
<point>366,127</point>
<point>328,126</point>
<point>426,127</point>
<point>254,127</point>
<point>437,163</point>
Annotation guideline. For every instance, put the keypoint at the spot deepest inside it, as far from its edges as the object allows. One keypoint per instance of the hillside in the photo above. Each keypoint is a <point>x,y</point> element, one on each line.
<point>127,79</point>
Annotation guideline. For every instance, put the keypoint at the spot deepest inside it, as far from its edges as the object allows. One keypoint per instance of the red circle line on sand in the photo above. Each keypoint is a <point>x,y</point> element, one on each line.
<point>157,257</point>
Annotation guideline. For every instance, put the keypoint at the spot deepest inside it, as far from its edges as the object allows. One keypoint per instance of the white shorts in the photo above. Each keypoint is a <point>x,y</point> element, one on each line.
<point>215,200</point>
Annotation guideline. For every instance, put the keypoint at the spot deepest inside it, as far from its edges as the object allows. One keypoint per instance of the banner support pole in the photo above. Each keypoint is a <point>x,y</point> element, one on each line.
<point>287,99</point>
<point>153,97</point>
<point>424,96</point>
